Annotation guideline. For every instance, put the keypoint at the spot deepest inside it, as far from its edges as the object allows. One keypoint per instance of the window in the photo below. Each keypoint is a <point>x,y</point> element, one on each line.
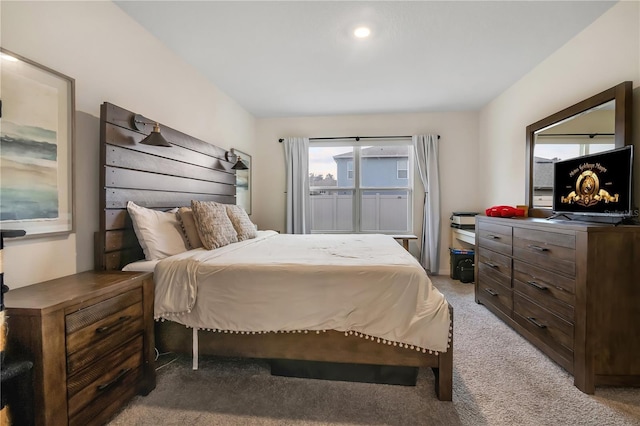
<point>361,188</point>
<point>402,166</point>
<point>350,170</point>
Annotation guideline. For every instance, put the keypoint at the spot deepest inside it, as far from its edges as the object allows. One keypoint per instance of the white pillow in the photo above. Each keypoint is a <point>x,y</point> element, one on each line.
<point>158,232</point>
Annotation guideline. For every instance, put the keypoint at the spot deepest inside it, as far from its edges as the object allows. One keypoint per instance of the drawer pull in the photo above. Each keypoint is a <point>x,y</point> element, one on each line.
<point>491,292</point>
<point>492,265</point>
<point>537,248</point>
<point>118,321</point>
<point>493,237</point>
<point>116,379</point>
<point>535,322</point>
<point>536,285</point>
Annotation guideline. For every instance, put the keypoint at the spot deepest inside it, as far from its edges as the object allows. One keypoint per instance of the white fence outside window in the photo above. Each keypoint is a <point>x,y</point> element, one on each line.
<point>379,212</point>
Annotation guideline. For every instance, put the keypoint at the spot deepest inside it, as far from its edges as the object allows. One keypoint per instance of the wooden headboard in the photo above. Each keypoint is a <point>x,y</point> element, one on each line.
<point>153,177</point>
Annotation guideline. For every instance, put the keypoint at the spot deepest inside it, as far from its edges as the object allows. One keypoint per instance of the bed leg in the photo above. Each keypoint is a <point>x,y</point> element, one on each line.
<point>444,376</point>
<point>195,348</point>
<point>444,372</point>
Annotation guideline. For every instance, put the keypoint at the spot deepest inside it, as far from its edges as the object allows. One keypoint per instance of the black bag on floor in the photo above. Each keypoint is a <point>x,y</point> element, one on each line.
<point>465,270</point>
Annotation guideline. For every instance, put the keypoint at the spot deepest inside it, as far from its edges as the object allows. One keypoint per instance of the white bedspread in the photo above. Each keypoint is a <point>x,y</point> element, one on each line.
<point>362,283</point>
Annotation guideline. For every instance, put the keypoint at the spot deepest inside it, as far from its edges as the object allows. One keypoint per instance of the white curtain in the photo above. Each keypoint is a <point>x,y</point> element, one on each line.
<point>296,153</point>
<point>426,149</point>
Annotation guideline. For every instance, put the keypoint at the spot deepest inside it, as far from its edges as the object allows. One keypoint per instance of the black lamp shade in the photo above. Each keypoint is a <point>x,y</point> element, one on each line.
<point>155,138</point>
<point>239,165</point>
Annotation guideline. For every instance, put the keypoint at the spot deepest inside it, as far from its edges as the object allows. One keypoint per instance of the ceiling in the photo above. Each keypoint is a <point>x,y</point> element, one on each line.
<point>300,58</point>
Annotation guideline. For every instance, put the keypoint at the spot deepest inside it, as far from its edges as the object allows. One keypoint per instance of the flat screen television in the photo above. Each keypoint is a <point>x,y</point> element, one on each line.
<point>595,184</point>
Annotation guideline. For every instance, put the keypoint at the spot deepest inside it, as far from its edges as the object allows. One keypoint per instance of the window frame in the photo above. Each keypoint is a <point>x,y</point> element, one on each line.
<point>357,189</point>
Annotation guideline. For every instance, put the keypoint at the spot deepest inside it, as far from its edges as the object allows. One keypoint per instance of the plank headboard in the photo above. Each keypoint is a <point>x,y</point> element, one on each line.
<point>153,177</point>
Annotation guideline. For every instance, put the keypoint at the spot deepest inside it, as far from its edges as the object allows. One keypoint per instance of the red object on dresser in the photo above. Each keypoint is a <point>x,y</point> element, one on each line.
<point>504,211</point>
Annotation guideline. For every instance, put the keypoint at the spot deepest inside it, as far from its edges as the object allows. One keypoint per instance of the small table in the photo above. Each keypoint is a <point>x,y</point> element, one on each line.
<point>405,240</point>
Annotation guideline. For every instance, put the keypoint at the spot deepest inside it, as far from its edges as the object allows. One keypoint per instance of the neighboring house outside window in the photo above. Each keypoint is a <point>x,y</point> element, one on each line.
<point>350,170</point>
<point>372,191</point>
<point>402,166</point>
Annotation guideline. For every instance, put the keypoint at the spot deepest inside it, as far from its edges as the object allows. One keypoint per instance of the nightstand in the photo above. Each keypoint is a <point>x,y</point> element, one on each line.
<point>90,337</point>
<point>405,240</point>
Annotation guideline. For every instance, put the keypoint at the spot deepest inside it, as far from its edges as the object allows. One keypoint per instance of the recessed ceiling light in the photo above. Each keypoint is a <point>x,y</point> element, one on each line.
<point>362,32</point>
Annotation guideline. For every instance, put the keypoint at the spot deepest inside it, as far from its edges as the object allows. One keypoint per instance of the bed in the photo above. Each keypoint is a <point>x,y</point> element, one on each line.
<point>335,331</point>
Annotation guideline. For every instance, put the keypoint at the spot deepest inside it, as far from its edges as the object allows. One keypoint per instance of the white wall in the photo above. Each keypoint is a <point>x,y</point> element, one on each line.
<point>605,54</point>
<point>113,59</point>
<point>458,161</point>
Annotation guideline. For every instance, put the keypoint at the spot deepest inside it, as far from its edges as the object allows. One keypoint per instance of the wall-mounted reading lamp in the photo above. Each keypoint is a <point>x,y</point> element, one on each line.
<point>239,163</point>
<point>154,138</point>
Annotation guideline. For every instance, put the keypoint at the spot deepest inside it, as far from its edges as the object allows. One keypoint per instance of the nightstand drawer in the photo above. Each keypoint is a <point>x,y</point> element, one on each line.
<point>103,328</point>
<point>88,316</point>
<point>104,379</point>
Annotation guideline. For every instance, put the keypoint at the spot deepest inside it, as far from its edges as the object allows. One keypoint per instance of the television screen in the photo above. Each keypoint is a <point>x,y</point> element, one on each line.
<point>595,184</point>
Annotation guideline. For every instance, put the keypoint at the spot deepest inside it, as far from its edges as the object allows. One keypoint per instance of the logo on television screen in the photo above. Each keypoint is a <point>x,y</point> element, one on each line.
<point>588,192</point>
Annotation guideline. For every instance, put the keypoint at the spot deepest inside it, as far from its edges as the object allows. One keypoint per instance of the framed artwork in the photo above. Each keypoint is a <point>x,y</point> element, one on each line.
<point>37,133</point>
<point>243,182</point>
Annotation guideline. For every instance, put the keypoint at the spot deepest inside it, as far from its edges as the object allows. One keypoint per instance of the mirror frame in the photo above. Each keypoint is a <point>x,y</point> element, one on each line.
<point>621,94</point>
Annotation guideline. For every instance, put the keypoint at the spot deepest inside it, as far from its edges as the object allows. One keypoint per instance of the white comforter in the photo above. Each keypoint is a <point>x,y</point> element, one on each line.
<point>361,283</point>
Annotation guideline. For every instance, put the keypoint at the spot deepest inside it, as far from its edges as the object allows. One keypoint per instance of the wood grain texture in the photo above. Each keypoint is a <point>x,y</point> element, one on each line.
<point>37,317</point>
<point>152,177</point>
<point>583,309</point>
<point>623,96</point>
<point>329,346</point>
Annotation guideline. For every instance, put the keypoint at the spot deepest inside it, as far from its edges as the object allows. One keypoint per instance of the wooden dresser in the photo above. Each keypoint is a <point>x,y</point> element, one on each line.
<point>90,337</point>
<point>571,288</point>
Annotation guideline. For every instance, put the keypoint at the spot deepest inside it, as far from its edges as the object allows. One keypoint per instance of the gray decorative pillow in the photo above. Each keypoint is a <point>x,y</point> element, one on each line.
<point>189,228</point>
<point>214,226</point>
<point>241,222</point>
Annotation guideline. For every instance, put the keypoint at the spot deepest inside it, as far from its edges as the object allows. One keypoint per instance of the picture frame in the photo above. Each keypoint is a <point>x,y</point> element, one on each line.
<point>37,136</point>
<point>243,182</point>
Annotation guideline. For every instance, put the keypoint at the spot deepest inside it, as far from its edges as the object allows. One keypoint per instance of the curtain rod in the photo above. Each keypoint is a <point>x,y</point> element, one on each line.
<point>357,138</point>
<point>591,135</point>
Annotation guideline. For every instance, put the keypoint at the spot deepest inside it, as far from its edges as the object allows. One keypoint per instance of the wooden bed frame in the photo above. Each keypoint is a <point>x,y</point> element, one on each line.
<point>164,178</point>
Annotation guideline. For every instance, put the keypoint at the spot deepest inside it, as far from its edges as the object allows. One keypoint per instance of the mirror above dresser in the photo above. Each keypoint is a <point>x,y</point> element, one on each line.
<point>596,124</point>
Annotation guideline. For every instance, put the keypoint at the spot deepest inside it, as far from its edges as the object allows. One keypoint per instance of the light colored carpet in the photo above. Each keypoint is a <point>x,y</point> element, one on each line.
<point>499,379</point>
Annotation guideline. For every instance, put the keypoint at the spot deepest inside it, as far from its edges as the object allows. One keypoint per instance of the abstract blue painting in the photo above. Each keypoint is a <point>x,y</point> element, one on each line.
<point>36,136</point>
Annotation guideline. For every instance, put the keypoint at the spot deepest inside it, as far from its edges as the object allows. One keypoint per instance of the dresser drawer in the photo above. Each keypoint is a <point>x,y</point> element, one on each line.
<point>546,288</point>
<point>487,272</point>
<point>543,296</point>
<point>495,237</point>
<point>556,253</point>
<point>546,237</point>
<point>492,293</point>
<point>96,330</point>
<point>495,261</point>
<point>105,379</point>
<point>551,329</point>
